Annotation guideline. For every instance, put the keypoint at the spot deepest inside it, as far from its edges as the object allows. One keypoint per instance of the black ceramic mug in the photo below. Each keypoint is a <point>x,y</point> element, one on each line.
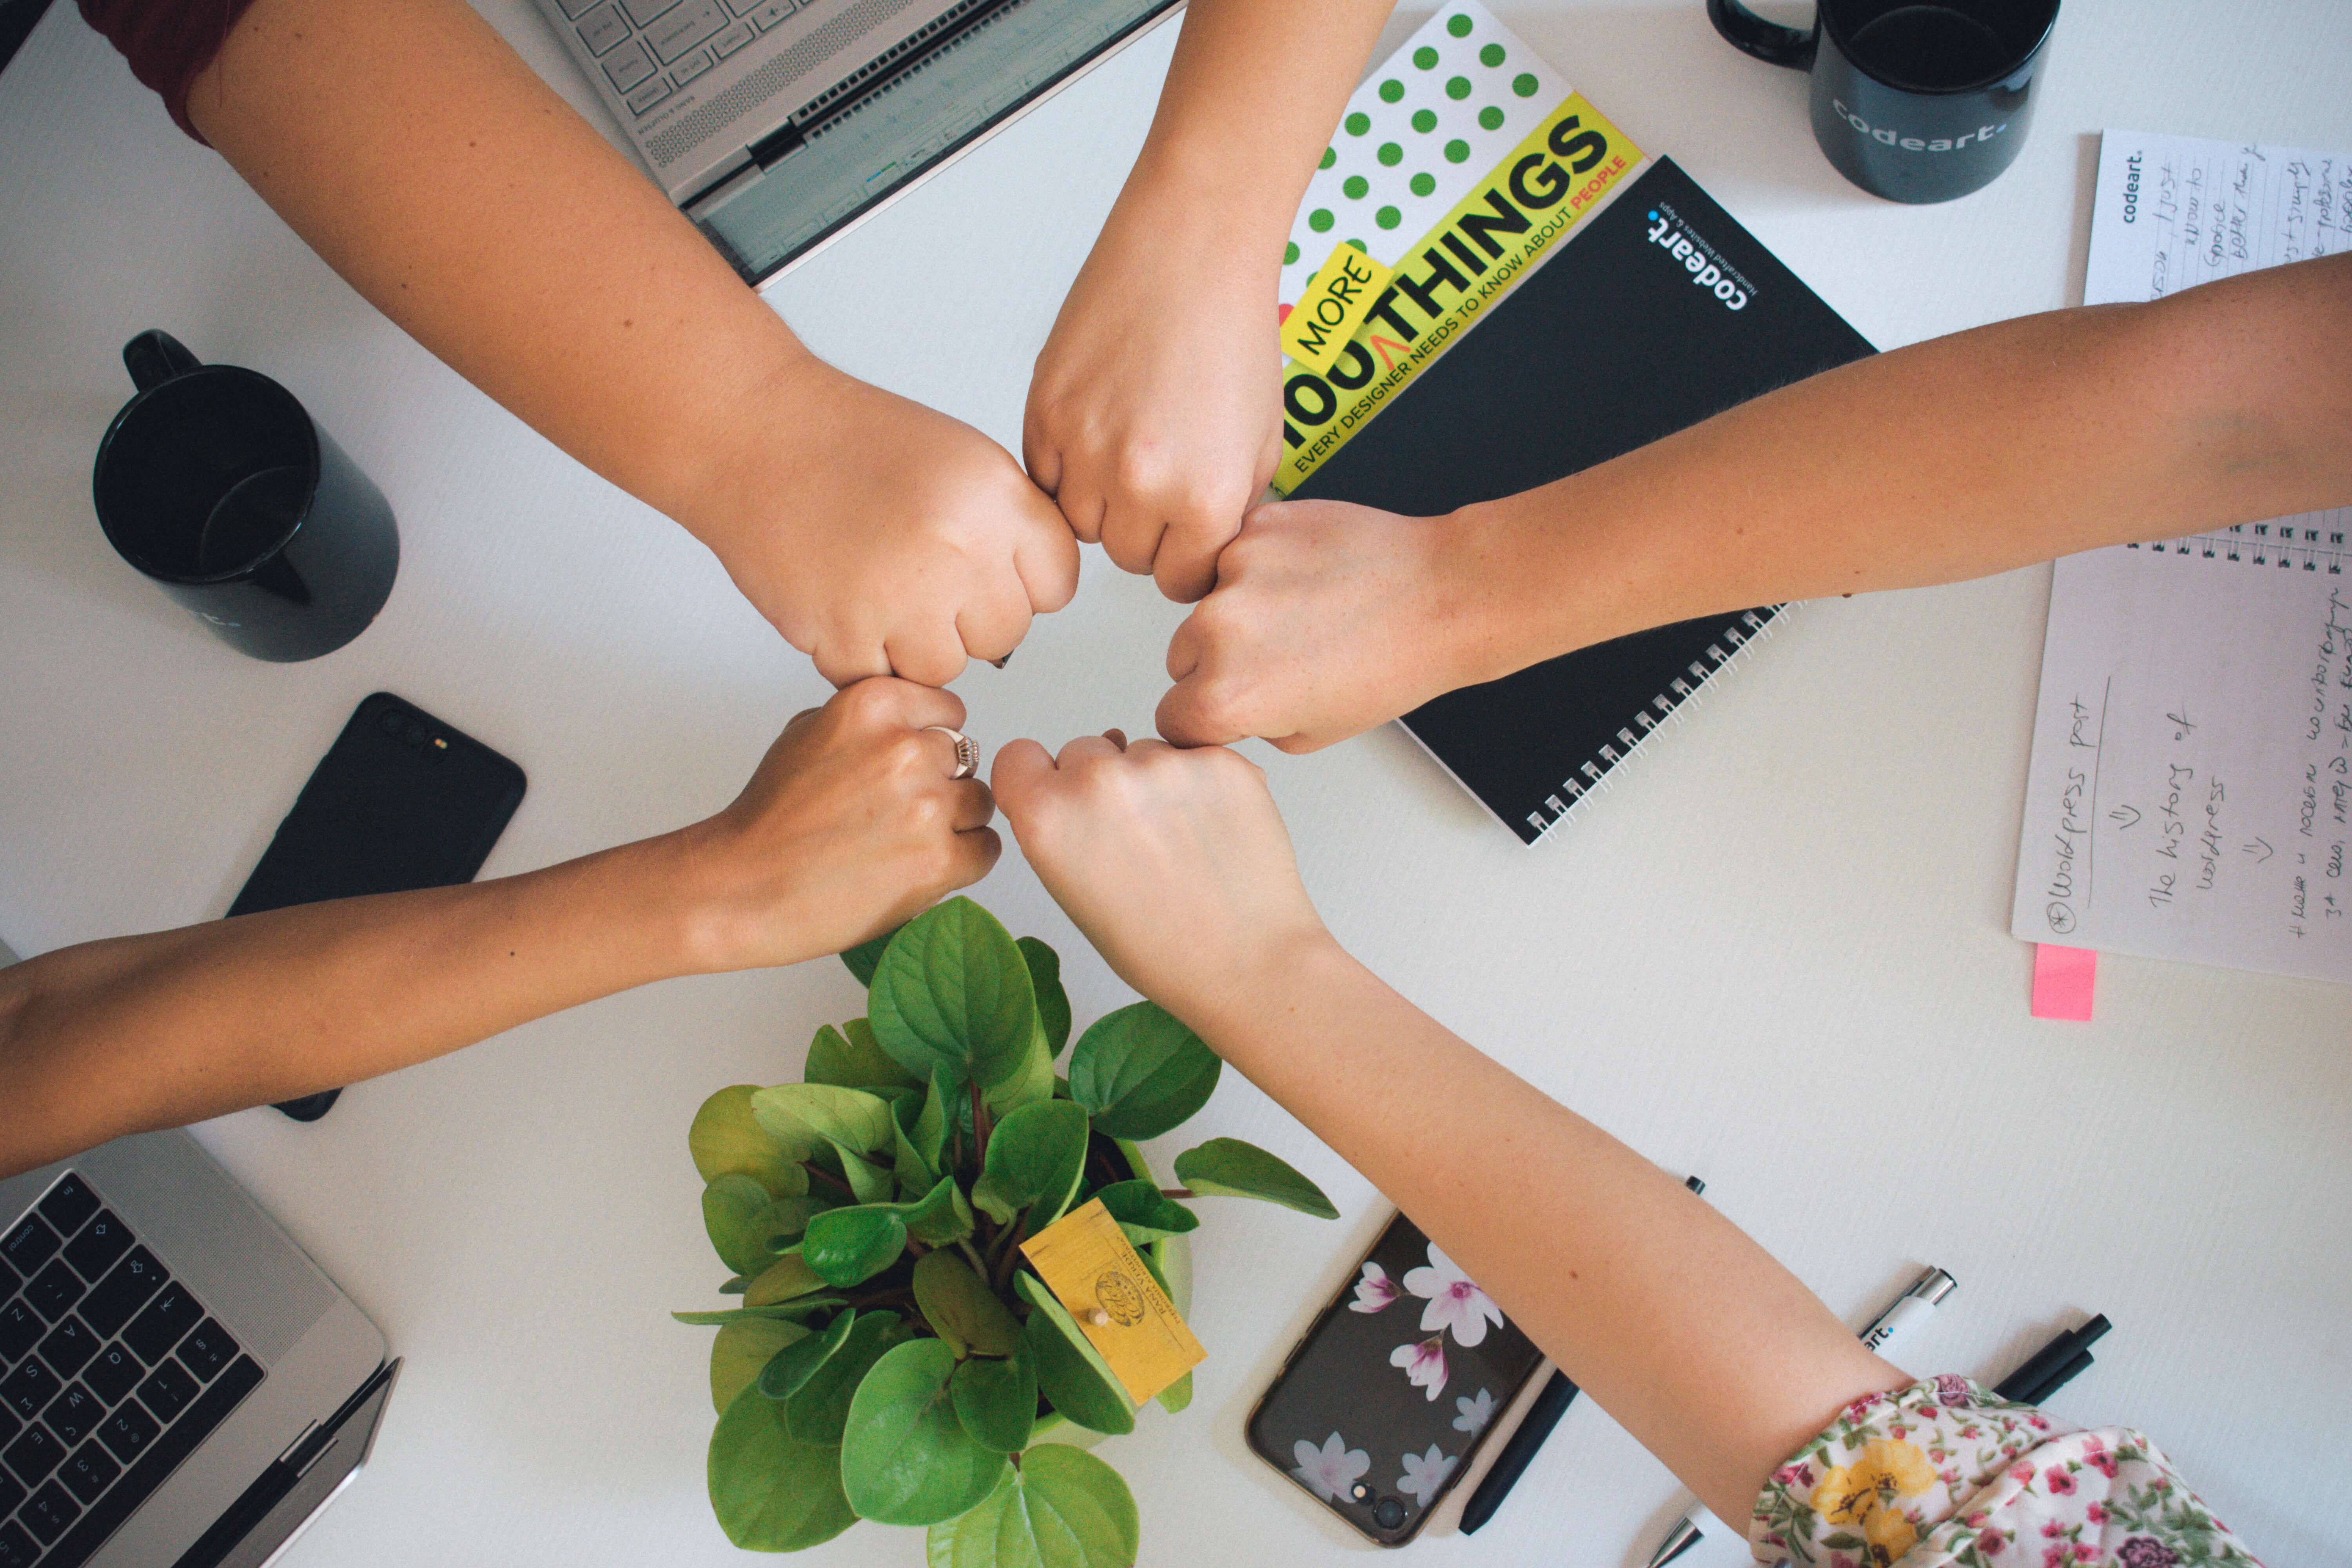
<point>1913,102</point>
<point>216,483</point>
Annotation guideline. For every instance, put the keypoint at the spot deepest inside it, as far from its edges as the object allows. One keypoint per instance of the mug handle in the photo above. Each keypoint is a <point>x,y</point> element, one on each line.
<point>1751,34</point>
<point>154,357</point>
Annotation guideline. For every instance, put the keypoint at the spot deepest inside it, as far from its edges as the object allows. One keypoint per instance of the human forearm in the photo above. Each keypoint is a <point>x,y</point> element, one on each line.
<point>183,1025</point>
<point>1689,1334</point>
<point>1948,459</point>
<point>427,163</point>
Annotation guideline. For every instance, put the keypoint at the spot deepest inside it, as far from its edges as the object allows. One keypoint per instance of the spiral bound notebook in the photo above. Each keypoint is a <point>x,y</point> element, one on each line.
<point>1656,313</point>
<point>2190,790</point>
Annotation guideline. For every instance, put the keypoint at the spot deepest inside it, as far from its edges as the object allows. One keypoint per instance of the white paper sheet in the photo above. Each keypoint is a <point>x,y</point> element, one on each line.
<point>2190,790</point>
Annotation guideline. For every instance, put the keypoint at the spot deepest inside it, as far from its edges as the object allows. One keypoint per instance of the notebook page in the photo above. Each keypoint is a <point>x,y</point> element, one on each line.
<point>2190,790</point>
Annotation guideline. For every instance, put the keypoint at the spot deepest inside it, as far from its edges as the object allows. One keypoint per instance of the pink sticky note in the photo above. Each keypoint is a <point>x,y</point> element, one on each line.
<point>2063,977</point>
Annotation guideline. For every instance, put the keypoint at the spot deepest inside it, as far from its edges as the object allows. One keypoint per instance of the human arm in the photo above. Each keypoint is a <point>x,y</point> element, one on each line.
<point>851,826</point>
<point>425,164</point>
<point>1948,459</point>
<point>1154,417</point>
<point>1714,1356</point>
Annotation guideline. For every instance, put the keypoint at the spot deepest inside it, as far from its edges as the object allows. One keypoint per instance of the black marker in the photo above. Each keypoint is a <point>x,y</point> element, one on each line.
<point>2052,1364</point>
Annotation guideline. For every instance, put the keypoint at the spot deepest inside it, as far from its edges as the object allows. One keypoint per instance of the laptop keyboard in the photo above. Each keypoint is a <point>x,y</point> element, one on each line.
<point>650,48</point>
<point>110,1374</point>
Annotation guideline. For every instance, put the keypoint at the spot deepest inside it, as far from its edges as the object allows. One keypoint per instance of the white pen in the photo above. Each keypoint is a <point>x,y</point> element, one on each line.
<point>1895,1323</point>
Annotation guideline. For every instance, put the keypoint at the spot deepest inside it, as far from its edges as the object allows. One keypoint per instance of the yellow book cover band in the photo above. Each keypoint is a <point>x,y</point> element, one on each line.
<point>1557,174</point>
<point>1091,1267</point>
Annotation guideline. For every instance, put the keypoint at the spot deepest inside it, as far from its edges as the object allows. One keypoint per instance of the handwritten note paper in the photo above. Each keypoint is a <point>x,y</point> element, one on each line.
<point>2190,792</point>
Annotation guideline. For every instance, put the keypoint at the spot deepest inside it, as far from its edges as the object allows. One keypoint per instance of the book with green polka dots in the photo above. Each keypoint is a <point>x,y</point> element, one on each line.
<point>1418,133</point>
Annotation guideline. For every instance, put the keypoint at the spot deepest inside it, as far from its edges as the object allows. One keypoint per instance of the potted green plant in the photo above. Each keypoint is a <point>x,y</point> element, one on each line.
<point>893,1357</point>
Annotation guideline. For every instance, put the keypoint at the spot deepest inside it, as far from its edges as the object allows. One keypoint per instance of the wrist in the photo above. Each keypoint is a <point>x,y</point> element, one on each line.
<point>728,490</point>
<point>691,915</point>
<point>1541,573</point>
<point>1250,999</point>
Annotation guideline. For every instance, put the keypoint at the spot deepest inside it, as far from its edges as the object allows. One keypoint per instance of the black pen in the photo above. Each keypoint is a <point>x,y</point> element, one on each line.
<point>2052,1365</point>
<point>1542,1416</point>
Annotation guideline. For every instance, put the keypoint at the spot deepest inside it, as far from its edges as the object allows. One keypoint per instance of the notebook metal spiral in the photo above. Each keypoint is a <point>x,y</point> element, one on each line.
<point>2309,541</point>
<point>1598,777</point>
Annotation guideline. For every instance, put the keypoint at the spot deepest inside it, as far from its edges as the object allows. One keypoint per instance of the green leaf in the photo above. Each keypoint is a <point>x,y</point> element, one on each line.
<point>788,1217</point>
<point>871,1182</point>
<point>1071,1373</point>
<point>996,1401</point>
<point>1227,1167</point>
<point>798,1307</point>
<point>1141,1072</point>
<point>850,1245</point>
<point>921,1129</point>
<point>905,1458</point>
<point>740,1349</point>
<point>1062,1508</point>
<point>951,995</point>
<point>816,1410</point>
<point>862,958</point>
<point>728,1140</point>
<point>851,1119</point>
<point>941,1218</point>
<point>771,1493</point>
<point>1045,984</point>
<point>787,1277</point>
<point>1035,1157</point>
<point>1026,1083</point>
<point>960,1308</point>
<point>848,1057</point>
<point>1144,1214</point>
<point>741,1219</point>
<point>1176,1396</point>
<point>782,1377</point>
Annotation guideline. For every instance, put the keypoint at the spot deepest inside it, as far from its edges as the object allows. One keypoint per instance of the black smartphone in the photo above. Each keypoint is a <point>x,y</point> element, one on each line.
<point>401,801</point>
<point>1379,1408</point>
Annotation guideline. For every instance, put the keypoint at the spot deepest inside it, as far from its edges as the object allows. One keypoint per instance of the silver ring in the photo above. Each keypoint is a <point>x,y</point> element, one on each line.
<point>967,754</point>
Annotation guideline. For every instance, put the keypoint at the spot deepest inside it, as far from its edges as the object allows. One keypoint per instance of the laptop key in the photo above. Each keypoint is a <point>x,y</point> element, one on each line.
<point>69,1203</point>
<point>123,1292</point>
<point>9,1278</point>
<point>644,10</point>
<point>20,1329</point>
<point>101,1241</point>
<point>88,1473</point>
<point>207,1350</point>
<point>111,1374</point>
<point>733,38</point>
<point>646,97</point>
<point>693,66</point>
<point>73,1415</point>
<point>54,1289</point>
<point>17,1549</point>
<point>168,1391</point>
<point>11,1494</point>
<point>127,1431</point>
<point>69,1347</point>
<point>768,13</point>
<point>9,1426</point>
<point>139,1481</point>
<point>154,1331</point>
<point>29,1387</point>
<point>34,1455</point>
<point>49,1512</point>
<point>628,66</point>
<point>602,30</point>
<point>687,28</point>
<point>30,1245</point>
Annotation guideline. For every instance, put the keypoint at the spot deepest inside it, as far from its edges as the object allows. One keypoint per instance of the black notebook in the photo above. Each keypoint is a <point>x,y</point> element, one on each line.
<point>1605,347</point>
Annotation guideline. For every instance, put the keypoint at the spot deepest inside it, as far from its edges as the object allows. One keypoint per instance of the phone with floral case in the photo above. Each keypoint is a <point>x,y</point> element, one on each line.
<point>1382,1404</point>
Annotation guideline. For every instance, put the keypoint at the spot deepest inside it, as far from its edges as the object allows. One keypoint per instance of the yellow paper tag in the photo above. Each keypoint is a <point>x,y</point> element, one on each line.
<point>1093,1270</point>
<point>1333,306</point>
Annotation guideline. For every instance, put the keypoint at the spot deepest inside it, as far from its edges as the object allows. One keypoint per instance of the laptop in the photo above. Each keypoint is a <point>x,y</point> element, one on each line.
<point>779,125</point>
<point>179,1385</point>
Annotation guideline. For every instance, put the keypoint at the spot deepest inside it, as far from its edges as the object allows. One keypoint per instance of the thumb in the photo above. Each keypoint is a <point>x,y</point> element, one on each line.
<point>1188,717</point>
<point>1021,770</point>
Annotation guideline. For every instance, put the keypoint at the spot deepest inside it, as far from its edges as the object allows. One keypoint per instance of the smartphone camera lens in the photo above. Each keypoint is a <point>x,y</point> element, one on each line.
<point>1389,1514</point>
<point>415,736</point>
<point>390,723</point>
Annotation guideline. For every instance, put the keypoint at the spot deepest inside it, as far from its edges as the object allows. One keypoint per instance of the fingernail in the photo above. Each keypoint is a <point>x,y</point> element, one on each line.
<point>1000,663</point>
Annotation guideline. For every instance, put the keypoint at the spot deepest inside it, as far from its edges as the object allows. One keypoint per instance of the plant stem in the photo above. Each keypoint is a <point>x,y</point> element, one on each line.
<point>979,1124</point>
<point>1178,1192</point>
<point>1012,1234</point>
<point>827,1177</point>
<point>978,1266</point>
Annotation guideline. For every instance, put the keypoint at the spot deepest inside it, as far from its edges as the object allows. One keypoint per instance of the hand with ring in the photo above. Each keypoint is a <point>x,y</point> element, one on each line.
<point>865,812</point>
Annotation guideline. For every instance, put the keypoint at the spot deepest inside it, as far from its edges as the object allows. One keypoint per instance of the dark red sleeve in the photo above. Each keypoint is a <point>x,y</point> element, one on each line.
<point>168,42</point>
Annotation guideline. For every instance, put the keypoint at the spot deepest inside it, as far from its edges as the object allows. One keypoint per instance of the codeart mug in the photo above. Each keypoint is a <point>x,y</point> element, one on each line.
<point>1913,102</point>
<point>221,488</point>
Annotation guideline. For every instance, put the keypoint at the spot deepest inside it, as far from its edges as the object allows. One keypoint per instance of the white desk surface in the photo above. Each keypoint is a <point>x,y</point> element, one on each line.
<point>1776,954</point>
